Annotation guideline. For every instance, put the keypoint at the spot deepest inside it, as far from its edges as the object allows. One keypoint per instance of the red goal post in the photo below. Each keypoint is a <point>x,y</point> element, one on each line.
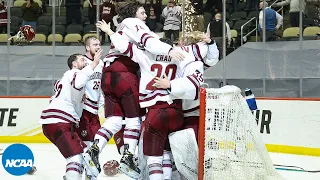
<point>201,132</point>
<point>230,144</point>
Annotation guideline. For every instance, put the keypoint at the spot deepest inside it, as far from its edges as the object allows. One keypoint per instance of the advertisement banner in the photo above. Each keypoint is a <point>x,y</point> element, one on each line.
<point>288,126</point>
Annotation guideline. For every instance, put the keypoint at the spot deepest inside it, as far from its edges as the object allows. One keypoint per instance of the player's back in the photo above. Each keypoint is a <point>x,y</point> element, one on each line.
<point>152,66</point>
<point>67,103</point>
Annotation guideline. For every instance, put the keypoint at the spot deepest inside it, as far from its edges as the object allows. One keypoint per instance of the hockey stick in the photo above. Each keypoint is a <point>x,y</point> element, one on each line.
<point>294,168</point>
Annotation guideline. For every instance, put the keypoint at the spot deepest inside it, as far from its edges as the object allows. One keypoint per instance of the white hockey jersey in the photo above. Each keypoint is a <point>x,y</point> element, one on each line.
<point>157,65</point>
<point>94,97</point>
<point>138,32</point>
<point>66,105</point>
<point>190,94</point>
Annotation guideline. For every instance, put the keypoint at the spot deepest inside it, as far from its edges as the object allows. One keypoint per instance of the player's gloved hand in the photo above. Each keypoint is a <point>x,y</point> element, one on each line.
<point>162,83</point>
<point>176,54</point>
<point>105,27</point>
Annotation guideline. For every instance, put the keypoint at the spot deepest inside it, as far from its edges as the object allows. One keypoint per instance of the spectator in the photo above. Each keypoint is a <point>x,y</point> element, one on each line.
<point>147,7</point>
<point>73,11</point>
<point>172,22</point>
<point>157,6</point>
<point>107,12</point>
<point>30,11</point>
<point>214,30</point>
<point>92,11</point>
<point>198,14</point>
<point>273,22</point>
<point>294,10</point>
<point>3,17</point>
<point>152,20</point>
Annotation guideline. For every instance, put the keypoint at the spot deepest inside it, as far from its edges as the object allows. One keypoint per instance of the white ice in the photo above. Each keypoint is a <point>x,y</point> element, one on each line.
<point>51,164</point>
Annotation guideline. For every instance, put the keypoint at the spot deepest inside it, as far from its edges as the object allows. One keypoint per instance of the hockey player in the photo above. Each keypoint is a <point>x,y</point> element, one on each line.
<point>60,118</point>
<point>189,93</point>
<point>89,122</point>
<point>121,94</point>
<point>164,115</point>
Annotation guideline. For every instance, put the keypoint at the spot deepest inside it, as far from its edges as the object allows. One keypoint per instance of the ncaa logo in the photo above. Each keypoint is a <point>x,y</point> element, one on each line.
<point>17,159</point>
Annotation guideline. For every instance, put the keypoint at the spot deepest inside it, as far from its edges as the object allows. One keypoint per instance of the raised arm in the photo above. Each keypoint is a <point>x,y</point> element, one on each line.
<point>139,32</point>
<point>120,43</point>
<point>207,52</point>
<point>81,77</point>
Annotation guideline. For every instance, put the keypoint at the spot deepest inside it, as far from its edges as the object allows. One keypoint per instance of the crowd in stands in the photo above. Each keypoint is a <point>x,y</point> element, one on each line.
<point>164,18</point>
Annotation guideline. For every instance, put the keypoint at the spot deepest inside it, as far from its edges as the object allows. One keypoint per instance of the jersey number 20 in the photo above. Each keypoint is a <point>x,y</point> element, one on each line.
<point>158,69</point>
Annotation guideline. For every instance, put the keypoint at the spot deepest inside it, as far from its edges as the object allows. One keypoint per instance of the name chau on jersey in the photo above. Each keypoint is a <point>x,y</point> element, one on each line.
<point>96,75</point>
<point>163,58</point>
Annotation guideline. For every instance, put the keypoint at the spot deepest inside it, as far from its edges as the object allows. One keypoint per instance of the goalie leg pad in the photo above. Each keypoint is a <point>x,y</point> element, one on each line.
<point>193,123</point>
<point>183,142</point>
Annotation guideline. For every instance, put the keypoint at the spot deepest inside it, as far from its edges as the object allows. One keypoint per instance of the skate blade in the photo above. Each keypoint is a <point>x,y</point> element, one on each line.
<point>124,169</point>
<point>90,165</point>
<point>90,178</point>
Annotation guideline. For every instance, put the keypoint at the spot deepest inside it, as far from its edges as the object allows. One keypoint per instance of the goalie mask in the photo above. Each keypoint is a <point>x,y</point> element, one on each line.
<point>26,33</point>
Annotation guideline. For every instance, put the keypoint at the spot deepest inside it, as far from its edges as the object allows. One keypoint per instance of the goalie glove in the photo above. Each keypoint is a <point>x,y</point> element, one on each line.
<point>26,33</point>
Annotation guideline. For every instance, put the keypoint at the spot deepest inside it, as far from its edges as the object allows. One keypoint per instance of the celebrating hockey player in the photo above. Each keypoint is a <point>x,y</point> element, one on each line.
<point>164,115</point>
<point>190,94</point>
<point>190,91</point>
<point>89,122</point>
<point>60,118</point>
<point>120,86</point>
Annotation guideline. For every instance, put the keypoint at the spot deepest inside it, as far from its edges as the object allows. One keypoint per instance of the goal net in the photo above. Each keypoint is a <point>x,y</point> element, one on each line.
<point>231,147</point>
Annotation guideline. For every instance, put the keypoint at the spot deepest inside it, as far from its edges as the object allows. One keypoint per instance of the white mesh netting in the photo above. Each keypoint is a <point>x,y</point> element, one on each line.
<point>234,149</point>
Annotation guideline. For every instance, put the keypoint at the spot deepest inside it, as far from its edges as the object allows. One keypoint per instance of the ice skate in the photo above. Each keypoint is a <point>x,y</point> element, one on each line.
<point>91,158</point>
<point>129,164</point>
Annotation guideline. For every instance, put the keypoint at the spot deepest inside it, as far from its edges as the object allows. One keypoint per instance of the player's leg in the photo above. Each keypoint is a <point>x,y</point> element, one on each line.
<point>88,127</point>
<point>118,138</point>
<point>129,98</point>
<point>113,113</point>
<point>154,143</point>
<point>158,124</point>
<point>167,165</point>
<point>71,147</point>
<point>175,124</point>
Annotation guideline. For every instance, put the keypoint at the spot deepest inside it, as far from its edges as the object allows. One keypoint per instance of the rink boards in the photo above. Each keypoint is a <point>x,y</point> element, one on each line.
<point>287,125</point>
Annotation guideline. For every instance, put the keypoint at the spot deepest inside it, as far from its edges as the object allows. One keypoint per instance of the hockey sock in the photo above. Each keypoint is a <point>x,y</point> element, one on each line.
<point>167,165</point>
<point>154,164</point>
<point>131,133</point>
<point>112,125</point>
<point>74,168</point>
